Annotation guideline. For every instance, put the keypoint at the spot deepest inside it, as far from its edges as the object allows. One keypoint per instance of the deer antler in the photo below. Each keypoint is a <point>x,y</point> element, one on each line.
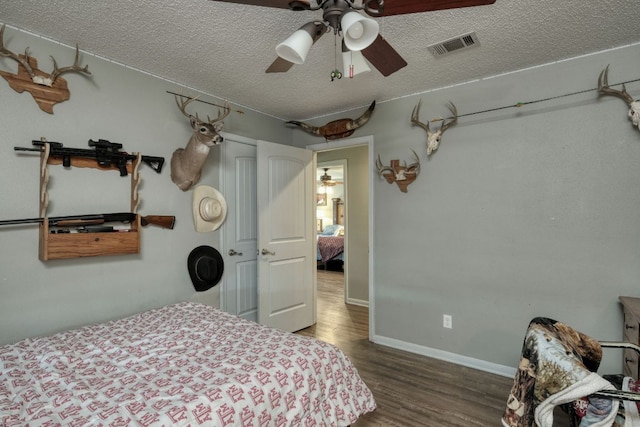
<point>46,79</point>
<point>415,117</point>
<point>634,106</point>
<point>75,67</point>
<point>452,120</point>
<point>434,137</point>
<point>414,168</point>
<point>603,87</point>
<point>22,61</point>
<point>182,105</point>
<point>403,176</point>
<point>382,169</point>
<point>221,114</point>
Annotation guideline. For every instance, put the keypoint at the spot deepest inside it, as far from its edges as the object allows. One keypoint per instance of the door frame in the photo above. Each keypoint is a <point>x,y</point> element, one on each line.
<point>337,145</point>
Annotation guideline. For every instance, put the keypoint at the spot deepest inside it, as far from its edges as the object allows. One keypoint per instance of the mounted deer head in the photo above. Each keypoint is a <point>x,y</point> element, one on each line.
<point>336,129</point>
<point>186,163</point>
<point>434,136</point>
<point>31,79</point>
<point>634,106</point>
<point>403,175</point>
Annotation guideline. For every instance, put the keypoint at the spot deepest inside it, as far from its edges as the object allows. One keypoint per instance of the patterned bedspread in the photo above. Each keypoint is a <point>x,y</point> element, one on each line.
<point>330,247</point>
<point>183,364</point>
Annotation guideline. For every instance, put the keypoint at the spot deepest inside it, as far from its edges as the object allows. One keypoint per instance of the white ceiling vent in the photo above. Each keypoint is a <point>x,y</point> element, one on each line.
<point>457,43</point>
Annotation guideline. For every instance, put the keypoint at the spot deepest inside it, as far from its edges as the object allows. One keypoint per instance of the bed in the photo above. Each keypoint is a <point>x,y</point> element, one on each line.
<point>182,364</point>
<point>331,244</point>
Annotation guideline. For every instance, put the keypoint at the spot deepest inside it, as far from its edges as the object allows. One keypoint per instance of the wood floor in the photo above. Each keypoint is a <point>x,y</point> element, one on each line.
<point>410,390</point>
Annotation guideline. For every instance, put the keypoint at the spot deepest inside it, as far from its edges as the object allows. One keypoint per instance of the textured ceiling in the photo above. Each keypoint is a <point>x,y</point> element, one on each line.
<point>223,49</point>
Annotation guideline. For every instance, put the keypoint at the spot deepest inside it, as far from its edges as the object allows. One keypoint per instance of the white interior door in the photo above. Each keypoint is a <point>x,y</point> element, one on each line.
<point>240,232</point>
<point>286,236</point>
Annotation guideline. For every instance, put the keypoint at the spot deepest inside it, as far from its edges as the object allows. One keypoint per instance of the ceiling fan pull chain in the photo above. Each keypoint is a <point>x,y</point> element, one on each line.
<point>335,74</point>
<point>350,64</point>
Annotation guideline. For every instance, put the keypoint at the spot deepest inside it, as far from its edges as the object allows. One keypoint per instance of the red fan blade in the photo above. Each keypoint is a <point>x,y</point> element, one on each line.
<point>384,57</point>
<point>400,7</point>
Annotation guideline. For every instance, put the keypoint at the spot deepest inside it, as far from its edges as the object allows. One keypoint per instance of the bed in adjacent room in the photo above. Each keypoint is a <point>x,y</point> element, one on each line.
<point>331,244</point>
<point>182,364</point>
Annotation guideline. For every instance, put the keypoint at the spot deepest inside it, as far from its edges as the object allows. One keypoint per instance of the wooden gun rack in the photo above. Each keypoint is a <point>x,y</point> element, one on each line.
<point>75,245</point>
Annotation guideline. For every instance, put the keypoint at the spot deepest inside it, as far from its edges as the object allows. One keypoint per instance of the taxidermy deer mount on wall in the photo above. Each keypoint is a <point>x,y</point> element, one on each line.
<point>434,136</point>
<point>46,89</point>
<point>336,129</point>
<point>402,175</point>
<point>634,106</point>
<point>186,163</point>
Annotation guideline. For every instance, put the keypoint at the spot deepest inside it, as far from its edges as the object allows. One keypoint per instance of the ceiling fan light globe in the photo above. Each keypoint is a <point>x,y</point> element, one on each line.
<point>358,31</point>
<point>296,47</point>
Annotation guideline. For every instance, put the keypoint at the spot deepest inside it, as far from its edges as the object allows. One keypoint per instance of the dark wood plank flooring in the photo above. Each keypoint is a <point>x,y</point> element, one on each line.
<point>410,389</point>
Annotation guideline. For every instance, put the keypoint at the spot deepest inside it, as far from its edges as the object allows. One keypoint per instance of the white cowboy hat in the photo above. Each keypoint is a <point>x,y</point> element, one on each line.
<point>209,208</point>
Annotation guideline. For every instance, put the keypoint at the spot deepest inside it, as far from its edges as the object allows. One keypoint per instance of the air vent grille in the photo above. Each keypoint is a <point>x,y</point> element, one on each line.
<point>457,43</point>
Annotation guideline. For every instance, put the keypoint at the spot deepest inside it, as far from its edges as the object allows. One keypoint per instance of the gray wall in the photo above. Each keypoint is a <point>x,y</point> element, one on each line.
<point>522,212</point>
<point>121,105</point>
<point>357,205</point>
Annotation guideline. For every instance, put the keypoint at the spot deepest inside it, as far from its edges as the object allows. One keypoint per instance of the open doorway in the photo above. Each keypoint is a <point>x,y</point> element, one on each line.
<point>330,214</point>
<point>347,211</point>
<point>331,198</point>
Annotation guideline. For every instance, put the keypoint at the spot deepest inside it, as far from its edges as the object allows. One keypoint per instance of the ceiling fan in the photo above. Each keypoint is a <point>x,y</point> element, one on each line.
<point>360,33</point>
<point>326,181</point>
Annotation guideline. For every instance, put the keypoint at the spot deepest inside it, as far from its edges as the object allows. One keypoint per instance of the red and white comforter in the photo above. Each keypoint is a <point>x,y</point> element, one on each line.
<point>183,364</point>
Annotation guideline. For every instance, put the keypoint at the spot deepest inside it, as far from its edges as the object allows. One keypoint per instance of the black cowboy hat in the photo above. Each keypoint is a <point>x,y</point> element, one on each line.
<point>205,266</point>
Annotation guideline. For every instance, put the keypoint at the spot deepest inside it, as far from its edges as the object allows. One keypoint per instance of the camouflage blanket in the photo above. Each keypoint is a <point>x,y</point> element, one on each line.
<point>558,366</point>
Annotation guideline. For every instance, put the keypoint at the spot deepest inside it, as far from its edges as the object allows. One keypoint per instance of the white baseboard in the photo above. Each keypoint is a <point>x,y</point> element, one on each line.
<point>470,362</point>
<point>362,303</point>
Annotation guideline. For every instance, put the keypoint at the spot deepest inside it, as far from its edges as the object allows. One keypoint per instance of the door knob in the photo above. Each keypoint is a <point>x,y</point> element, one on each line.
<point>267,252</point>
<point>232,252</point>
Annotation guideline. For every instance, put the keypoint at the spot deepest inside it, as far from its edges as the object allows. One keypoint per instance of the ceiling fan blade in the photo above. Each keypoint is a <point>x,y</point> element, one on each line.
<point>400,7</point>
<point>384,57</point>
<point>282,4</point>
<point>281,65</point>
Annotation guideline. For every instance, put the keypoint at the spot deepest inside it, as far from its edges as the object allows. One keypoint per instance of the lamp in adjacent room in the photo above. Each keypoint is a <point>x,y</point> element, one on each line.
<point>358,31</point>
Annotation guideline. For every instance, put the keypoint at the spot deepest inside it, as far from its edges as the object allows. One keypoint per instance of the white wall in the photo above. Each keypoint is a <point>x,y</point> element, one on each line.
<point>121,105</point>
<point>522,212</point>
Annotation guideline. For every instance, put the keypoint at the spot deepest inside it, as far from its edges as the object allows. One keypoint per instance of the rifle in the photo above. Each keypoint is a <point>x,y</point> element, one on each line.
<point>106,153</point>
<point>164,221</point>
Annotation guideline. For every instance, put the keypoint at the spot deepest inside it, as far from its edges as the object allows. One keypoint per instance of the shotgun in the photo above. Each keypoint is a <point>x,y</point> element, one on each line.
<point>164,221</point>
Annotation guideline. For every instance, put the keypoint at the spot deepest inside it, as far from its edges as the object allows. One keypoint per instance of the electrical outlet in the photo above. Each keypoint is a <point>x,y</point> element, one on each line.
<point>447,321</point>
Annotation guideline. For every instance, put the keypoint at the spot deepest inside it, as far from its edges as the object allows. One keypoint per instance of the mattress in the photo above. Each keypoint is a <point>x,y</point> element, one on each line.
<point>182,364</point>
